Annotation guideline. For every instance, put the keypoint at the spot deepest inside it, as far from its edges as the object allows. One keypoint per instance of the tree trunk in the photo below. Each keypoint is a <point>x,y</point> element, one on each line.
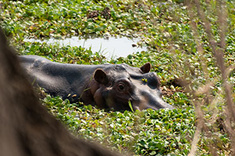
<point>26,128</point>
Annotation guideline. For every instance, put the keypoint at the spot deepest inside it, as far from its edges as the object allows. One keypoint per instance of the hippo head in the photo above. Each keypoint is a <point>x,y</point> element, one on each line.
<point>121,85</point>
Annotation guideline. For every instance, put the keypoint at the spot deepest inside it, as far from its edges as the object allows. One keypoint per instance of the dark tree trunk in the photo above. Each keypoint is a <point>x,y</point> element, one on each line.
<point>26,128</point>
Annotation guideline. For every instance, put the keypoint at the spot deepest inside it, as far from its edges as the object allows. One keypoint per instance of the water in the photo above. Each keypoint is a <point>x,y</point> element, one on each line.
<point>110,48</point>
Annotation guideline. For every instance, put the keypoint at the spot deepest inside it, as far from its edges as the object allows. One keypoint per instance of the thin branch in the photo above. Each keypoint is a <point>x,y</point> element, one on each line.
<point>218,49</point>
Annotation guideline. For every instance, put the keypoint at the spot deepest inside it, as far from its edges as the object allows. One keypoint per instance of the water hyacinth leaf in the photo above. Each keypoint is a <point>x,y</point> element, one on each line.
<point>130,105</point>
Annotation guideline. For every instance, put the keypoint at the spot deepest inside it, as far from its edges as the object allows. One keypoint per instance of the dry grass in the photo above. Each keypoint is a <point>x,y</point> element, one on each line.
<point>203,95</point>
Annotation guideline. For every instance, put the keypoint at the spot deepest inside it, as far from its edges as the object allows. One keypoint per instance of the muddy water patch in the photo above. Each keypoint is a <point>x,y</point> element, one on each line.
<point>112,47</point>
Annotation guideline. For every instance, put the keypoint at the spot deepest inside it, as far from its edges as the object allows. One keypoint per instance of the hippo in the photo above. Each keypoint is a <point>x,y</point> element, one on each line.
<point>108,86</point>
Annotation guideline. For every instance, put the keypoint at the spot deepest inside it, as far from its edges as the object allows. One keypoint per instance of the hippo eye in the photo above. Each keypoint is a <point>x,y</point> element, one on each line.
<point>121,87</point>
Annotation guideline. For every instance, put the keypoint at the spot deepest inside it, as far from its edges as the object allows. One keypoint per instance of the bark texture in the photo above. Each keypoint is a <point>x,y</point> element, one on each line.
<point>26,128</point>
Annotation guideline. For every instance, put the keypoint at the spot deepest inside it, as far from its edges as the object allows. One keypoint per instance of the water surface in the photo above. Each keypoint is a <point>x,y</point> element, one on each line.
<point>111,48</point>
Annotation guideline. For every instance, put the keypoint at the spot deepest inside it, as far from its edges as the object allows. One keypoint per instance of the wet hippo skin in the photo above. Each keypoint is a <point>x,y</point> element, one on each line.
<point>107,86</point>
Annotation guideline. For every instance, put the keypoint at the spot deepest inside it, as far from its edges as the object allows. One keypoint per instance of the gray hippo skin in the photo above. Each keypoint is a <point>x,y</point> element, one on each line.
<point>107,86</point>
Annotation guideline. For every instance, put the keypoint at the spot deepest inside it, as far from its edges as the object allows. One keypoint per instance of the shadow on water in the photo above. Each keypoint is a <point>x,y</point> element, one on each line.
<point>110,47</point>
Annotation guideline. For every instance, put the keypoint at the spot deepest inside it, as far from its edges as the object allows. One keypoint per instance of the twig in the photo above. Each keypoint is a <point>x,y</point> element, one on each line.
<point>218,49</point>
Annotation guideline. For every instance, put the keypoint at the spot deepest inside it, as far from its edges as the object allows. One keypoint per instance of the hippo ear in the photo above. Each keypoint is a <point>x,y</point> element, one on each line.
<point>146,67</point>
<point>100,76</point>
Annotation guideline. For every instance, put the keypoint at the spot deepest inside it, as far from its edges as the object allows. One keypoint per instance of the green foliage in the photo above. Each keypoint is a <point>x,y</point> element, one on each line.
<point>164,28</point>
<point>65,54</point>
<point>147,132</point>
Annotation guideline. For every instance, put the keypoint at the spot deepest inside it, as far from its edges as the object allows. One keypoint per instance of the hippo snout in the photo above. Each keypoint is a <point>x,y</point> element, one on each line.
<point>157,106</point>
<point>150,100</point>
